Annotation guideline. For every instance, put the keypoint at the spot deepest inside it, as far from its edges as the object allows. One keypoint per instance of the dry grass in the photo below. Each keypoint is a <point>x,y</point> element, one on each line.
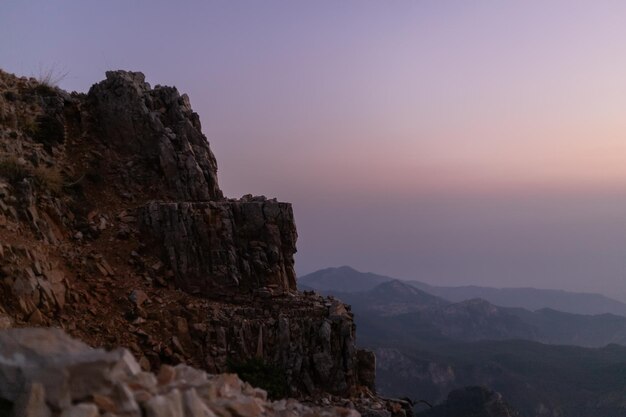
<point>13,170</point>
<point>49,178</point>
<point>50,76</point>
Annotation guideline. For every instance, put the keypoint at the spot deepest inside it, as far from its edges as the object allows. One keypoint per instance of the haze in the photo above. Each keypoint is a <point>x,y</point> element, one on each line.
<point>458,143</point>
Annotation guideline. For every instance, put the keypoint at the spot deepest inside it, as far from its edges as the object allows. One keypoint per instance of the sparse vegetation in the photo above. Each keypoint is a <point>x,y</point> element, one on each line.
<point>259,373</point>
<point>13,170</point>
<point>51,76</point>
<point>49,178</point>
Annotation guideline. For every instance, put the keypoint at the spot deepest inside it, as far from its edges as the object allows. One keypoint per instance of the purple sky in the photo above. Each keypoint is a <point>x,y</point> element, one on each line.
<point>451,142</point>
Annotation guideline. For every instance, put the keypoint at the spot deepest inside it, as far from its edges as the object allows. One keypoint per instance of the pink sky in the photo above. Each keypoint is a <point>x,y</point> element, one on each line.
<point>452,142</point>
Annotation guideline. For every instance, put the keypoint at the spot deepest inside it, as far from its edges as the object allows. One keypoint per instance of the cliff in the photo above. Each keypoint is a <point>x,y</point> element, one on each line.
<point>113,228</point>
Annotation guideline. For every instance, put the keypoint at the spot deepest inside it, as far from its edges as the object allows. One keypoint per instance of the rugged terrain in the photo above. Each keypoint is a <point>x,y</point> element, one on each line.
<point>427,347</point>
<point>43,372</point>
<point>113,227</point>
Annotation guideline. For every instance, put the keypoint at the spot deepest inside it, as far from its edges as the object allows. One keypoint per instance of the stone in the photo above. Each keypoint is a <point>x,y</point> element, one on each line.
<point>32,402</point>
<point>66,368</point>
<point>166,375</point>
<point>81,410</point>
<point>5,322</point>
<point>125,401</point>
<point>194,406</point>
<point>169,405</point>
<point>36,318</point>
<point>145,381</point>
<point>190,376</point>
<point>104,403</point>
<point>245,407</point>
<point>138,297</point>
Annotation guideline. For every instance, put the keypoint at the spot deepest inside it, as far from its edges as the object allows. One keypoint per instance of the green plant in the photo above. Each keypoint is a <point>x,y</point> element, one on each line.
<point>259,373</point>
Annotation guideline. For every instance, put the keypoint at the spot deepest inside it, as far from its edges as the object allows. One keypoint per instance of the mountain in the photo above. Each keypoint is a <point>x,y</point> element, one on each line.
<point>390,298</point>
<point>342,279</point>
<point>537,380</point>
<point>530,298</point>
<point>114,228</point>
<point>347,279</point>
<point>477,319</point>
<point>426,347</point>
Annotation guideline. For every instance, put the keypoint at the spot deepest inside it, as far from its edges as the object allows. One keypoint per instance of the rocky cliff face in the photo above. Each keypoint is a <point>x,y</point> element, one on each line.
<point>159,126</point>
<point>215,247</point>
<point>110,206</point>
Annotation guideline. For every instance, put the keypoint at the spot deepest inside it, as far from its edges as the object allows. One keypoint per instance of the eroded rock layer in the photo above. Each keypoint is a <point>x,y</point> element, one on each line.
<point>113,227</point>
<point>217,247</point>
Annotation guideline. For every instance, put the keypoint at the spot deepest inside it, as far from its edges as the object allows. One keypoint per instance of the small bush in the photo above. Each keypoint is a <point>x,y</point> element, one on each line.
<point>48,79</point>
<point>50,76</point>
<point>49,178</point>
<point>259,373</point>
<point>12,170</point>
<point>45,90</point>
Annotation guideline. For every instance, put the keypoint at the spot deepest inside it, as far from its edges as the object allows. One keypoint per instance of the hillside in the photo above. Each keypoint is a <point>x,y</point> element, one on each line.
<point>426,347</point>
<point>531,298</point>
<point>113,227</point>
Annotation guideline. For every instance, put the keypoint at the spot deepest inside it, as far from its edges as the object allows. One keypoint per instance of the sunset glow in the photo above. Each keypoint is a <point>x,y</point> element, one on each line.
<point>342,106</point>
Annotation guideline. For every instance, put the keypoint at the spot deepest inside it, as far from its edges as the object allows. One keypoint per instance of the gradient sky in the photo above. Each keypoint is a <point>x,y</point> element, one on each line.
<point>452,142</point>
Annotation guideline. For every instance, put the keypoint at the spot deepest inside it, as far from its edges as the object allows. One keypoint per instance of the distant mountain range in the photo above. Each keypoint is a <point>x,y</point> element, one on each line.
<point>346,279</point>
<point>476,319</point>
<point>427,346</point>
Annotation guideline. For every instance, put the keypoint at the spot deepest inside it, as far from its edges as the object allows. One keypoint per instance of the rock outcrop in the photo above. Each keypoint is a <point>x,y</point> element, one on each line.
<point>212,245</point>
<point>218,247</point>
<point>159,126</point>
<point>45,373</point>
<point>113,227</point>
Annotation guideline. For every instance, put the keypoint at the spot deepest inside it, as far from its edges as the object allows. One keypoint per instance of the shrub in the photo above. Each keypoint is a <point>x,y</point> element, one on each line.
<point>49,178</point>
<point>50,76</point>
<point>12,170</point>
<point>259,373</point>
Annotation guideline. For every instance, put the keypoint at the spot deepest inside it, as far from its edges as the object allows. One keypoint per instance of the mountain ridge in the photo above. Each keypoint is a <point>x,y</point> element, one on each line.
<point>526,297</point>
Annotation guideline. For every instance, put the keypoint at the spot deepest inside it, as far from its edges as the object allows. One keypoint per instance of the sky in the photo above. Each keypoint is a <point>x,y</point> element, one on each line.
<point>451,142</point>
